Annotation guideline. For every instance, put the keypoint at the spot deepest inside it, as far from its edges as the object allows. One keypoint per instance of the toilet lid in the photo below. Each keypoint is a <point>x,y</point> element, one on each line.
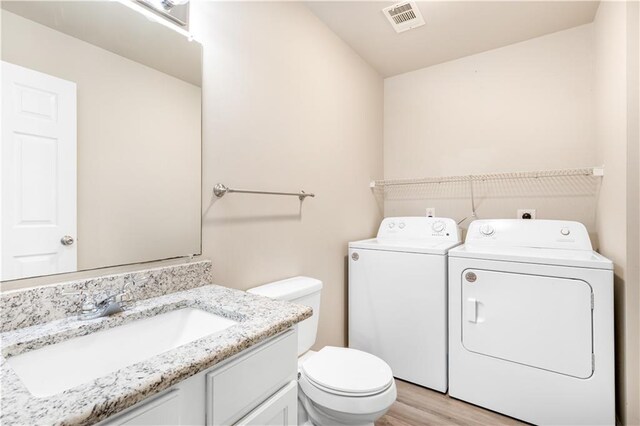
<point>348,370</point>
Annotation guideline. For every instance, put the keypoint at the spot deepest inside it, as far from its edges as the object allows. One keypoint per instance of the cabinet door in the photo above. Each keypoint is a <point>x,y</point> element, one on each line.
<point>279,410</point>
<point>237,388</point>
<point>160,411</point>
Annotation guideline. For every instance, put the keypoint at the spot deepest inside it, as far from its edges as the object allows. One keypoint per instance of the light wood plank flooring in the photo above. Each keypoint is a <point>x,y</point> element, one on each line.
<point>417,406</point>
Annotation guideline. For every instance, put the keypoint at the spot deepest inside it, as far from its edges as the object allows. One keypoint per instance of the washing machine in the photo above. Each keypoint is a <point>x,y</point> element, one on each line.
<point>398,297</point>
<point>531,322</point>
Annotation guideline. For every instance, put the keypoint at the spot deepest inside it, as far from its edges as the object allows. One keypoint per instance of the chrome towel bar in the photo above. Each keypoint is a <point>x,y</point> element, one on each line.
<point>219,190</point>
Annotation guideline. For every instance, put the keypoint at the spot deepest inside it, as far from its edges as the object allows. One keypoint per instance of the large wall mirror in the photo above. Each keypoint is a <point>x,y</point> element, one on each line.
<point>101,138</point>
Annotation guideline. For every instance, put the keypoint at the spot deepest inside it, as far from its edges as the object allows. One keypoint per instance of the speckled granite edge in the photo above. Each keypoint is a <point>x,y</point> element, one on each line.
<point>89,403</point>
<point>39,305</point>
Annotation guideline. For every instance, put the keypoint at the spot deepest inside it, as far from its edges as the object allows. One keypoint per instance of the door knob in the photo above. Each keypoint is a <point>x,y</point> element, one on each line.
<point>67,240</point>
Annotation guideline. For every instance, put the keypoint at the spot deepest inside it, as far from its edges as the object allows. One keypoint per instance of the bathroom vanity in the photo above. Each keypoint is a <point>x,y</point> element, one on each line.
<point>256,387</point>
<point>198,354</point>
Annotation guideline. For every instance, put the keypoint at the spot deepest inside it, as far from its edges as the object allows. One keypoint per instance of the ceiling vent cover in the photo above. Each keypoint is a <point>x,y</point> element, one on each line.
<point>404,16</point>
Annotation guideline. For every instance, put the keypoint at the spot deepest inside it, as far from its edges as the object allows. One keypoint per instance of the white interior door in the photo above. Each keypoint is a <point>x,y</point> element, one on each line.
<point>38,169</point>
<point>544,322</point>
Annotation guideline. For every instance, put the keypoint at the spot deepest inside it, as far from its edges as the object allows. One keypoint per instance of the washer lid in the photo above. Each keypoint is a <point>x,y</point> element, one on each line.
<point>348,370</point>
<point>409,246</point>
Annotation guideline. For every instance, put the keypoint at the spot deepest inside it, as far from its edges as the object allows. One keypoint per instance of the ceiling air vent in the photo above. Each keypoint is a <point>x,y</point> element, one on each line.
<point>404,16</point>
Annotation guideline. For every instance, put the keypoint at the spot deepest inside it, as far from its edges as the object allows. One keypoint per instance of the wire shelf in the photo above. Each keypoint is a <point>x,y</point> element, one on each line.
<point>587,171</point>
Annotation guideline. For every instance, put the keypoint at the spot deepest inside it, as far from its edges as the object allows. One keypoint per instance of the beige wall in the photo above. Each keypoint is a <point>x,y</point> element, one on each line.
<point>616,86</point>
<point>527,106</point>
<point>287,106</point>
<point>138,147</point>
<point>634,133</point>
<point>633,215</point>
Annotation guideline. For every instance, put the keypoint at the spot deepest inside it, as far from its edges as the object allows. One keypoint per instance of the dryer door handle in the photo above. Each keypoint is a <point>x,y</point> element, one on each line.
<point>472,310</point>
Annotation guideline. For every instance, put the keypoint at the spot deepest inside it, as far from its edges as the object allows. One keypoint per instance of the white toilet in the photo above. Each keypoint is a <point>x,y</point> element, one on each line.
<point>337,386</point>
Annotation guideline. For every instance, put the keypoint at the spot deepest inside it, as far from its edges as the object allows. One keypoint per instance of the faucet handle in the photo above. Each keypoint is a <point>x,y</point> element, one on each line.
<point>125,294</point>
<point>89,307</point>
<point>135,280</point>
<point>110,297</point>
<point>88,303</point>
<point>125,299</point>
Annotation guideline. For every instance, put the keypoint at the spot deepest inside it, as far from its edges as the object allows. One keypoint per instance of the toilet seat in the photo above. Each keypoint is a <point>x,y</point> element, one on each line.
<point>348,381</point>
<point>348,372</point>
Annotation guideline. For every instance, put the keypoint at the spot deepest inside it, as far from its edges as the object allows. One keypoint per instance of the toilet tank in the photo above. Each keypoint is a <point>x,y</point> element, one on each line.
<point>301,290</point>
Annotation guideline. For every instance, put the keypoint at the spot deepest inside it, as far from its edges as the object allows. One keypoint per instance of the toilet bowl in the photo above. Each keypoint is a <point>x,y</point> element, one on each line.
<point>344,386</point>
<point>336,386</point>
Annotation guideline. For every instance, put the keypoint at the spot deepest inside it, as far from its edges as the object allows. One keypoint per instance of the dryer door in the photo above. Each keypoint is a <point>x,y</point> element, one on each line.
<point>544,322</point>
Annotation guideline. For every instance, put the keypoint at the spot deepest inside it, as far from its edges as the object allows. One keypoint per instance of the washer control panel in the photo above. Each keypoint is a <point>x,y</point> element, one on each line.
<point>562,234</point>
<point>408,228</point>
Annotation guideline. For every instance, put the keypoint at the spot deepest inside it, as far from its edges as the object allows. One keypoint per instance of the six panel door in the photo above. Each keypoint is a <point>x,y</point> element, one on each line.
<point>38,169</point>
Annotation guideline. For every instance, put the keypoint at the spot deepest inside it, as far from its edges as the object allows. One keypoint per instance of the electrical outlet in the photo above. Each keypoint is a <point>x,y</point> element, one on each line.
<point>431,212</point>
<point>526,214</point>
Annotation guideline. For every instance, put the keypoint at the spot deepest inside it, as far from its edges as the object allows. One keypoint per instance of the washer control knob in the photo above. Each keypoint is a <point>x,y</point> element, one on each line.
<point>401,225</point>
<point>487,230</point>
<point>355,256</point>
<point>438,226</point>
<point>565,231</point>
<point>391,224</point>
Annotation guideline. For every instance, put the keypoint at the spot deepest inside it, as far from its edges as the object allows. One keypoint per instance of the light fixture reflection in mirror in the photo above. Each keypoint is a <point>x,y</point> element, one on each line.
<point>169,4</point>
<point>175,11</point>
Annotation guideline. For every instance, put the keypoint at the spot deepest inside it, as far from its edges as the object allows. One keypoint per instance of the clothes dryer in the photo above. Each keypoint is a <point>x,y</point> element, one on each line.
<point>531,322</point>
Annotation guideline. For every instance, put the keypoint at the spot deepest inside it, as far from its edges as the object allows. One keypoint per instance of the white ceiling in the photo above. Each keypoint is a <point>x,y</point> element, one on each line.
<point>453,29</point>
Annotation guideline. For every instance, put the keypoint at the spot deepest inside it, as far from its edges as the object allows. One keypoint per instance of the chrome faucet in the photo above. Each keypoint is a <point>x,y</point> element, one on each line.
<point>110,305</point>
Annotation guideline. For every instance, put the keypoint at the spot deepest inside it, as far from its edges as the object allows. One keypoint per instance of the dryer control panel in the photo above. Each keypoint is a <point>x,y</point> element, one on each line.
<point>553,234</point>
<point>409,228</point>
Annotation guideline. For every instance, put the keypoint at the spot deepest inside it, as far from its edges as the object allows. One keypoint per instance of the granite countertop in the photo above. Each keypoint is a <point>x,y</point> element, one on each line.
<point>259,318</point>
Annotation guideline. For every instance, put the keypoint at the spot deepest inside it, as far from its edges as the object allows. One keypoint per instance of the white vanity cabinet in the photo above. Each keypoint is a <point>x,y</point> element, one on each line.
<point>163,409</point>
<point>256,387</point>
<point>280,409</point>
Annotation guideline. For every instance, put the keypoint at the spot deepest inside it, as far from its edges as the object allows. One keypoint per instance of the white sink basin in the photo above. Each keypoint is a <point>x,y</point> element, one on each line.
<point>52,369</point>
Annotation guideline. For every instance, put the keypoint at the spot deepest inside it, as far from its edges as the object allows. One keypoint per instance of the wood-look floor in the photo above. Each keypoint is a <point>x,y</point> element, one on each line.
<point>417,406</point>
